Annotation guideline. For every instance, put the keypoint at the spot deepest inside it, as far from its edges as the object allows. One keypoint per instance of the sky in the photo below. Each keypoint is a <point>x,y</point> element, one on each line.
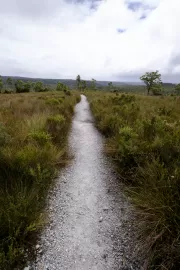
<point>117,40</point>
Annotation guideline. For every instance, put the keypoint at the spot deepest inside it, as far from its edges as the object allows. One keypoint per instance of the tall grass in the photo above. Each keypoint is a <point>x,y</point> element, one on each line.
<point>143,137</point>
<point>33,132</point>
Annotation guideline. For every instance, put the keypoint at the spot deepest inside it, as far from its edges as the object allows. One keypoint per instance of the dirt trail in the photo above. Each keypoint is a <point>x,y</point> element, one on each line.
<point>90,217</point>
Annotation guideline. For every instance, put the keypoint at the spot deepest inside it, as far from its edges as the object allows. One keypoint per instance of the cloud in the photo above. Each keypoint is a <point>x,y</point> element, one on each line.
<point>60,39</point>
<point>143,17</point>
<point>119,30</point>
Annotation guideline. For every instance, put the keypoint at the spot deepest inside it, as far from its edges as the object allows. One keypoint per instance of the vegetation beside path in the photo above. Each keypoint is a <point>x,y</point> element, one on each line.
<point>143,137</point>
<point>33,133</point>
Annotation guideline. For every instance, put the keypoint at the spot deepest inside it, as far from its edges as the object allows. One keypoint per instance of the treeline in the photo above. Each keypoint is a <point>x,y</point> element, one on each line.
<point>19,86</point>
<point>152,84</point>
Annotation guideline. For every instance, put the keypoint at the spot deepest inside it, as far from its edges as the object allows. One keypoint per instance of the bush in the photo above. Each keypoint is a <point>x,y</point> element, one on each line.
<point>41,137</point>
<point>4,136</point>
<point>57,127</point>
<point>53,101</point>
<point>144,136</point>
<point>29,159</point>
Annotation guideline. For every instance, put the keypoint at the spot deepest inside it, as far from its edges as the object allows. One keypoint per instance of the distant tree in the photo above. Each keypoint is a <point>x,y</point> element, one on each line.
<point>22,87</point>
<point>78,82</point>
<point>1,84</point>
<point>177,88</point>
<point>157,89</point>
<point>61,87</point>
<point>19,86</point>
<point>9,82</point>
<point>110,86</point>
<point>38,87</point>
<point>27,86</point>
<point>151,79</point>
<point>93,84</point>
<point>83,85</point>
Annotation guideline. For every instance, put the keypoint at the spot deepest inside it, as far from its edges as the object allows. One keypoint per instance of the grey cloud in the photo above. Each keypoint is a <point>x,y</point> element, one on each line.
<point>40,8</point>
<point>31,9</point>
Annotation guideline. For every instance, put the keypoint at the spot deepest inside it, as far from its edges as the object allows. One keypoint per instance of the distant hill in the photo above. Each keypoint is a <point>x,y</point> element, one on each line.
<point>72,83</point>
<point>68,82</point>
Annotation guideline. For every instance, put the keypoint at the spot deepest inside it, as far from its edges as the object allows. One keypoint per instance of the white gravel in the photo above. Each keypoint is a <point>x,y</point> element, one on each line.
<point>90,218</point>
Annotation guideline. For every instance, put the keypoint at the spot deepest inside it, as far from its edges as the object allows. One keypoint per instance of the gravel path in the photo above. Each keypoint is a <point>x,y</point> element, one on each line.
<point>90,218</point>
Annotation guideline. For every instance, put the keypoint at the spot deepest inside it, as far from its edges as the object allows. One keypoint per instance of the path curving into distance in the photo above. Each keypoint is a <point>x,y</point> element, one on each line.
<point>90,218</point>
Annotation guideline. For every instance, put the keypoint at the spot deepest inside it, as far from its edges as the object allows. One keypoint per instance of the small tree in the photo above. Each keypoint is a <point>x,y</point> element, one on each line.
<point>110,86</point>
<point>19,86</point>
<point>157,89</point>
<point>78,82</point>
<point>27,86</point>
<point>38,87</point>
<point>93,84</point>
<point>9,82</point>
<point>151,79</point>
<point>61,87</point>
<point>177,88</point>
<point>83,85</point>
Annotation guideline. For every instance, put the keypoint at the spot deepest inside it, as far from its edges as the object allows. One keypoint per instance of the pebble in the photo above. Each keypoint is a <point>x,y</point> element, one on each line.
<point>101,219</point>
<point>37,246</point>
<point>27,268</point>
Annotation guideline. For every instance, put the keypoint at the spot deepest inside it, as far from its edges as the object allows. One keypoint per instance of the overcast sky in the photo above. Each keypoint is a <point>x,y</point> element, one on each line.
<point>101,39</point>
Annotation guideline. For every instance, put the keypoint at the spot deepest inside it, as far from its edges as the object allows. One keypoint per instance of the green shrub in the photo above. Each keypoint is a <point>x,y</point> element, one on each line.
<point>41,137</point>
<point>29,160</point>
<point>4,136</point>
<point>53,101</point>
<point>144,137</point>
<point>57,127</point>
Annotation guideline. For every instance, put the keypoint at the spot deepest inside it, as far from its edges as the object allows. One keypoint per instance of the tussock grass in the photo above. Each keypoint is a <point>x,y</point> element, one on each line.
<point>143,137</point>
<point>32,145</point>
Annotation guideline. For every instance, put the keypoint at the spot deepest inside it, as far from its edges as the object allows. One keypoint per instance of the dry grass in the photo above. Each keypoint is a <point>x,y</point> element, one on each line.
<point>33,132</point>
<point>143,137</point>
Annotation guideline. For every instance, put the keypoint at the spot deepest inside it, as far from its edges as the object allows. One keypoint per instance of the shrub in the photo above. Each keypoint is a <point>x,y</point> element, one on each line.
<point>144,135</point>
<point>29,159</point>
<point>57,127</point>
<point>53,101</point>
<point>41,137</point>
<point>4,136</point>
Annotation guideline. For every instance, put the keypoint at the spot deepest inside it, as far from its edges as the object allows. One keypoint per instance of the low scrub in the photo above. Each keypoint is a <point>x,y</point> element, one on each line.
<point>143,137</point>
<point>33,137</point>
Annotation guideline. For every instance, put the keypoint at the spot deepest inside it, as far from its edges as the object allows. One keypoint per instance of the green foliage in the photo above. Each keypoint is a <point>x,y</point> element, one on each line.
<point>56,126</point>
<point>157,89</point>
<point>177,88</point>
<point>110,86</point>
<point>4,136</point>
<point>93,84</point>
<point>38,87</point>
<point>41,137</point>
<point>144,140</point>
<point>9,82</point>
<point>83,85</point>
<point>61,87</point>
<point>152,81</point>
<point>32,144</point>
<point>22,87</point>
<point>53,101</point>
<point>78,82</point>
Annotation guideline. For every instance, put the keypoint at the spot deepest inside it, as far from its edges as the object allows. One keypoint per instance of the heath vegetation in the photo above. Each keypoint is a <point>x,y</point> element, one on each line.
<point>143,138</point>
<point>33,133</point>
